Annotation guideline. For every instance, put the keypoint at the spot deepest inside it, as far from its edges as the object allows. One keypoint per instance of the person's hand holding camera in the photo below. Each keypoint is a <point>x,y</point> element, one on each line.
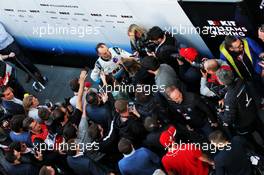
<point>133,110</point>
<point>39,156</point>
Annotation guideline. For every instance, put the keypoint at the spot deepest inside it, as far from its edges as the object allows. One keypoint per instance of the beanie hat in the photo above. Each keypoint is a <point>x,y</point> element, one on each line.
<point>190,54</point>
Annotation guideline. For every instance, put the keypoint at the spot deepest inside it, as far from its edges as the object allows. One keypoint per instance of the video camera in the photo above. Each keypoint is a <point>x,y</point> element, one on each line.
<point>198,65</point>
<point>149,46</point>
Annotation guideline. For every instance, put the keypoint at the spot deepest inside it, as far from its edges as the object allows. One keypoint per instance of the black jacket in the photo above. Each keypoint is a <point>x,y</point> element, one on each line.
<point>131,129</point>
<point>193,111</point>
<point>191,76</point>
<point>153,107</point>
<point>165,50</point>
<point>152,141</point>
<point>240,109</point>
<point>232,160</point>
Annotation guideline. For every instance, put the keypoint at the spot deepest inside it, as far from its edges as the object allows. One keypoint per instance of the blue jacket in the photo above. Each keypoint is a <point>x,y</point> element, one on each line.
<point>22,169</point>
<point>142,162</point>
<point>255,50</point>
<point>13,108</point>
<point>82,165</point>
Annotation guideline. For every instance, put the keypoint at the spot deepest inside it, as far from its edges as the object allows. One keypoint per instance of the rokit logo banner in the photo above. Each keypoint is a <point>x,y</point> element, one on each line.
<point>223,28</point>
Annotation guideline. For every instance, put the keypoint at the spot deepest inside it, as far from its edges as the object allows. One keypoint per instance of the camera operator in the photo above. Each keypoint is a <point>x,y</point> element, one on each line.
<point>189,73</point>
<point>166,45</point>
<point>210,86</point>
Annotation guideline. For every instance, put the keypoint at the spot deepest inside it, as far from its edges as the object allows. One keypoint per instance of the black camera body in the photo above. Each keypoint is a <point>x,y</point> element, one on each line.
<point>150,46</point>
<point>198,65</point>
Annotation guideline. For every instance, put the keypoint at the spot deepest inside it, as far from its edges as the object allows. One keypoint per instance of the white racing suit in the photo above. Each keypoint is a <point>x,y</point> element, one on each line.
<point>109,66</point>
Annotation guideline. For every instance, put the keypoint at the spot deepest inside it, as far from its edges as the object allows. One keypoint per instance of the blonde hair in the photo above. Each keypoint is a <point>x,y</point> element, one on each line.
<point>133,28</point>
<point>27,102</point>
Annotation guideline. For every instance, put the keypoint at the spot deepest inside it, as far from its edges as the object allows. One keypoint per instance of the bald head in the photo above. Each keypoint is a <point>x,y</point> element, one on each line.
<point>211,66</point>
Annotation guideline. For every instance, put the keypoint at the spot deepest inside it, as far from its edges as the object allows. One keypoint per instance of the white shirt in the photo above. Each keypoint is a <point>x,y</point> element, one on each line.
<point>5,38</point>
<point>17,101</point>
<point>204,90</point>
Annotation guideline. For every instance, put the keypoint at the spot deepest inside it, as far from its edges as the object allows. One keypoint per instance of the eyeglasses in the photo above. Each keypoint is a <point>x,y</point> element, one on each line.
<point>241,45</point>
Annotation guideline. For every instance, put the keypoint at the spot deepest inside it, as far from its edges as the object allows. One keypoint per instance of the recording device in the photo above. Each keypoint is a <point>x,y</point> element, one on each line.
<point>146,46</point>
<point>130,105</point>
<point>48,103</point>
<point>150,46</point>
<point>199,66</point>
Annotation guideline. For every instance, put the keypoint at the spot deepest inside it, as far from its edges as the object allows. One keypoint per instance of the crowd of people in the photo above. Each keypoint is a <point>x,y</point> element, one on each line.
<point>162,109</point>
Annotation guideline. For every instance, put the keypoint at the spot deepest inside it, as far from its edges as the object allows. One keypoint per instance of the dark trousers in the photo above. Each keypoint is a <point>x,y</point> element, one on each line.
<point>257,127</point>
<point>255,88</point>
<point>13,47</point>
